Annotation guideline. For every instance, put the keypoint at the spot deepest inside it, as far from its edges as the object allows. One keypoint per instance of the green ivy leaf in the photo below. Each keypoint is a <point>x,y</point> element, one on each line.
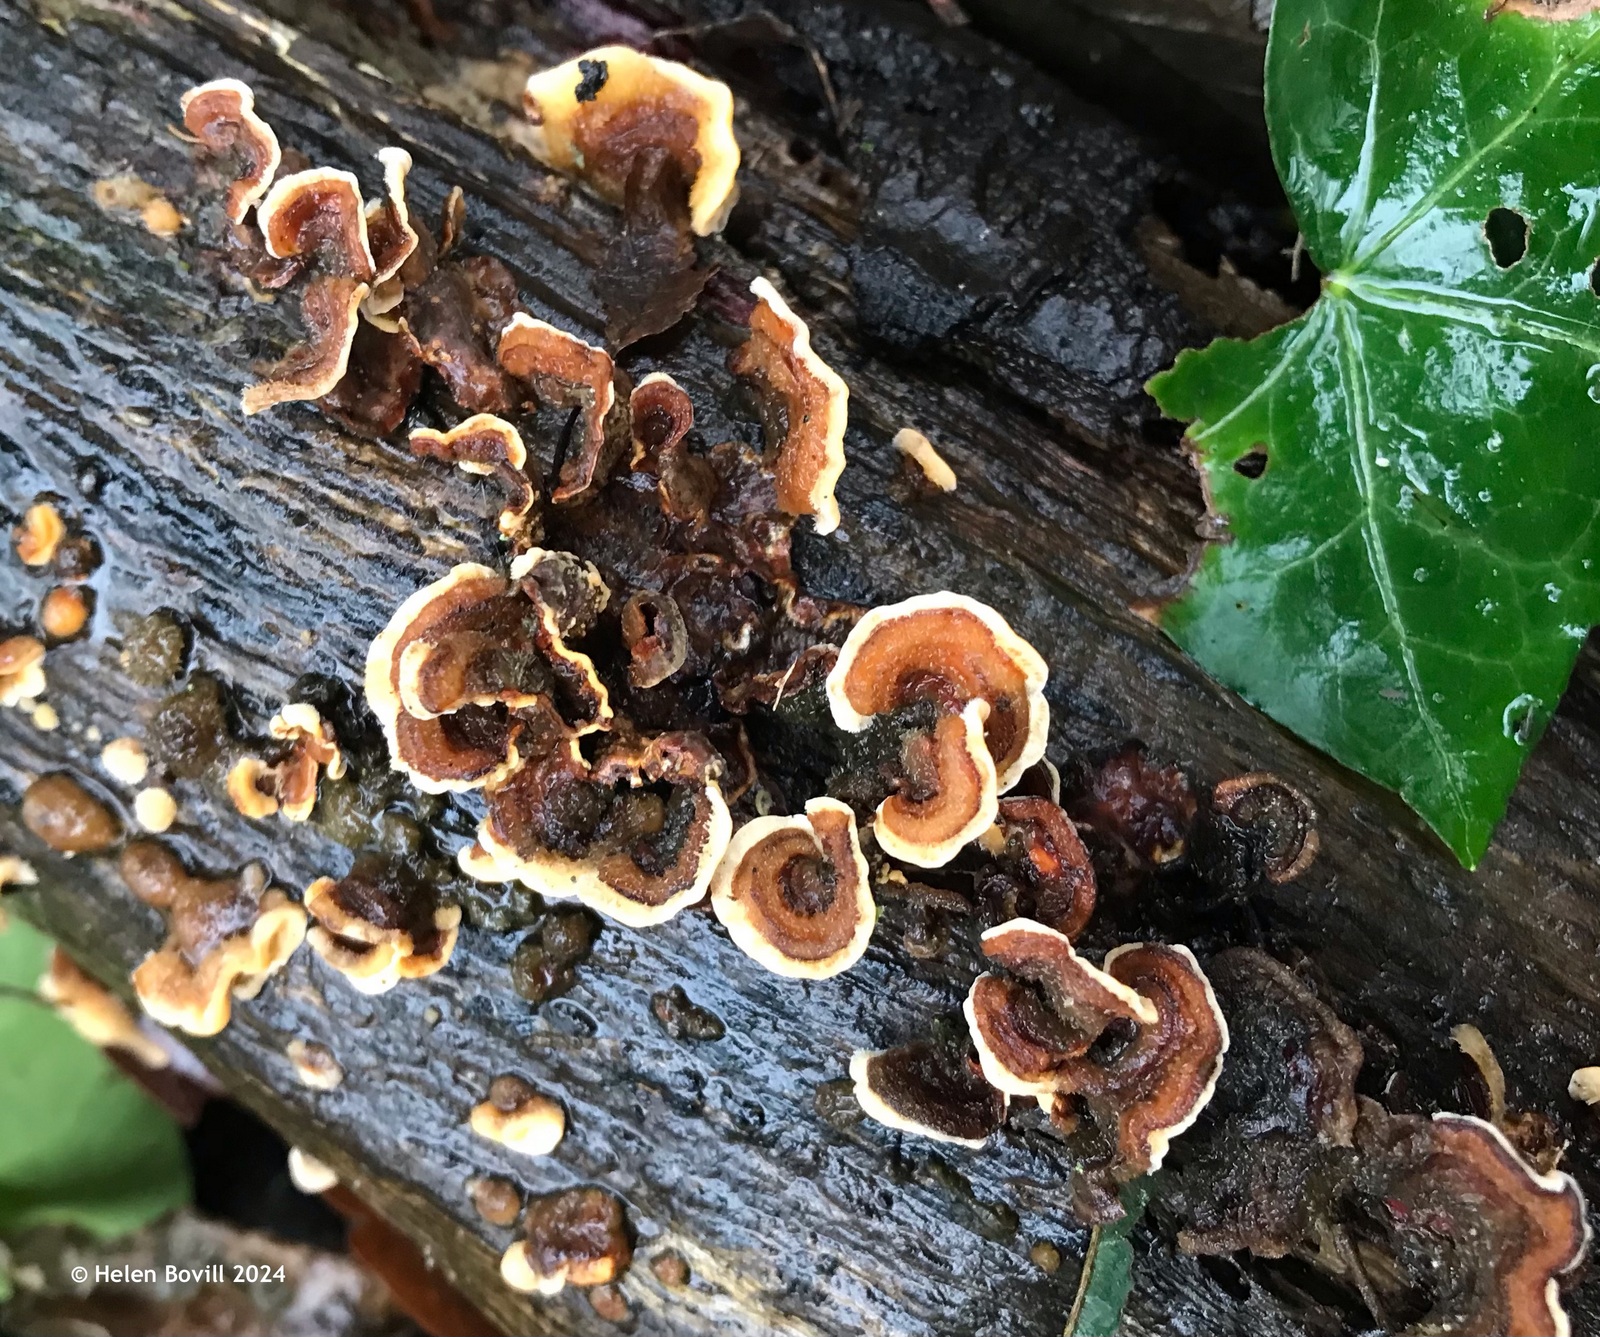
<point>79,1143</point>
<point>1108,1269</point>
<point>1409,582</point>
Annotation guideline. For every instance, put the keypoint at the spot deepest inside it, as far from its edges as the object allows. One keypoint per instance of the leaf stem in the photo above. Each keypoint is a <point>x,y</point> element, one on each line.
<point>1085,1276</point>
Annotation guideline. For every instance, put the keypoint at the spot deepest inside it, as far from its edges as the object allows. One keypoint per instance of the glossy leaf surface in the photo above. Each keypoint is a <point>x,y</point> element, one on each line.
<point>1410,473</point>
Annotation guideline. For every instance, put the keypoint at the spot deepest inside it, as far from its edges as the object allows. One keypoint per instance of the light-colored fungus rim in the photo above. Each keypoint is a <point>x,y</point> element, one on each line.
<point>895,846</point>
<point>287,187</point>
<point>396,167</point>
<point>265,394</point>
<point>264,133</point>
<point>534,1128</point>
<point>874,1107</point>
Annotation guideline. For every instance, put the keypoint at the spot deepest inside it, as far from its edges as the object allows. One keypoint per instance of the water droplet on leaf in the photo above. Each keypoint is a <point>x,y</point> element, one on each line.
<point>1518,720</point>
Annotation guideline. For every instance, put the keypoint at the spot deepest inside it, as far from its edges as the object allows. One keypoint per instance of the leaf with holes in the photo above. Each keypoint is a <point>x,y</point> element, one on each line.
<point>1410,473</point>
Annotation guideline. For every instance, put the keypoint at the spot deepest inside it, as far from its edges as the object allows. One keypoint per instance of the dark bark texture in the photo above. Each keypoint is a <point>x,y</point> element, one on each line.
<point>959,231</point>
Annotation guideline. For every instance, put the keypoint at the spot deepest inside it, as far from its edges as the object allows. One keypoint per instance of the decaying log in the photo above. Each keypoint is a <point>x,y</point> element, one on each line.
<point>959,232</point>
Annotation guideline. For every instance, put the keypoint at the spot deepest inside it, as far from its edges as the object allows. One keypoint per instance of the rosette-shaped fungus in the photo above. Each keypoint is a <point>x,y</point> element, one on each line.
<point>1254,828</point>
<point>1124,1057</point>
<point>564,370</point>
<point>808,396</point>
<point>1046,872</point>
<point>225,938</point>
<point>793,892</point>
<point>259,789</point>
<point>636,835</point>
<point>466,667</point>
<point>595,114</point>
<point>222,116</point>
<point>1489,1235</point>
<point>488,447</point>
<point>578,1237</point>
<point>380,924</point>
<point>927,1089</point>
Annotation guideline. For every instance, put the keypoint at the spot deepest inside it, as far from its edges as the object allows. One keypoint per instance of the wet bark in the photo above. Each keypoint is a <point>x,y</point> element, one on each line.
<point>960,232</point>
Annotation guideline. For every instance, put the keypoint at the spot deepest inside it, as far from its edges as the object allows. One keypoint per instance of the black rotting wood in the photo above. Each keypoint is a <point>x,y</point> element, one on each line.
<point>959,233</point>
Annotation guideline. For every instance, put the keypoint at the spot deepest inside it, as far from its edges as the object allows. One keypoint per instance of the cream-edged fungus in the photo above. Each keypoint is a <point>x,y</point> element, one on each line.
<point>1584,1085</point>
<point>329,309</point>
<point>222,115</point>
<point>814,404</point>
<point>1046,1011</point>
<point>155,809</point>
<point>314,1065</point>
<point>391,238</point>
<point>577,1237</point>
<point>380,924</point>
<point>39,535</point>
<point>225,938</point>
<point>308,1174</point>
<point>660,415</point>
<point>470,663</point>
<point>22,679</point>
<point>318,215</point>
<point>67,817</point>
<point>946,797</point>
<point>313,750</point>
<point>64,612</point>
<point>517,1117</point>
<point>96,1013</point>
<point>563,369</point>
<point>950,649</point>
<point>635,836</point>
<point>1046,872</point>
<point>793,892</point>
<point>920,451</point>
<point>927,1089</point>
<point>596,113</point>
<point>488,447</point>
<point>654,633</point>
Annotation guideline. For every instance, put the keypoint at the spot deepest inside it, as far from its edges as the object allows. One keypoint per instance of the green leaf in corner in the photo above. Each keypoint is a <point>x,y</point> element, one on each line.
<point>79,1143</point>
<point>1410,472</point>
<point>1108,1270</point>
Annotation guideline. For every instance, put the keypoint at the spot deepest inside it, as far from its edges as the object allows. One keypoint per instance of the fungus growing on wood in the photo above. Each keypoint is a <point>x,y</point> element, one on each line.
<point>155,809</point>
<point>486,446</point>
<point>39,534</point>
<point>124,760</point>
<point>312,368</point>
<point>952,650</point>
<point>636,836</point>
<point>391,238</point>
<point>67,817</point>
<point>16,872</point>
<point>660,415</point>
<point>656,638</point>
<point>453,314</point>
<point>793,892</point>
<point>517,1117</point>
<point>308,1174</point>
<point>1255,828</point>
<point>313,749</point>
<point>1584,1085</point>
<point>545,962</point>
<point>569,586</point>
<point>465,666</point>
<point>382,376</point>
<point>221,114</point>
<point>225,938</point>
<point>22,677</point>
<point>946,797</point>
<point>1144,810</point>
<point>315,1065</point>
<point>1047,873</point>
<point>578,1237</point>
<point>96,1013</point>
<point>930,1090</point>
<point>380,924</point>
<point>64,612</point>
<point>919,450</point>
<point>812,402</point>
<point>563,369</point>
<point>596,114</point>
<point>318,216</point>
<point>497,1201</point>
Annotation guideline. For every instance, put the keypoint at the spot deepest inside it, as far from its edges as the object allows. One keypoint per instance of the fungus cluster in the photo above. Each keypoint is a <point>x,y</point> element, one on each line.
<point>288,785</point>
<point>380,924</point>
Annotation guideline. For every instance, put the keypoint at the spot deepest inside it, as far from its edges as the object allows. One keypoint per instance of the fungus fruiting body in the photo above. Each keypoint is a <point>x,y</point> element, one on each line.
<point>222,116</point>
<point>814,401</point>
<point>22,679</point>
<point>391,238</point>
<point>125,761</point>
<point>380,924</point>
<point>1039,848</point>
<point>920,451</point>
<point>225,938</point>
<point>39,534</point>
<point>318,215</point>
<point>486,446</point>
<point>598,112</point>
<point>155,809</point>
<point>519,1118</point>
<point>314,1065</point>
<point>793,891</point>
<point>64,612</point>
<point>577,1237</point>
<point>1584,1085</point>
<point>925,1089</point>
<point>312,368</point>
<point>312,750</point>
<point>948,799</point>
<point>308,1174</point>
<point>67,817</point>
<point>96,1013</point>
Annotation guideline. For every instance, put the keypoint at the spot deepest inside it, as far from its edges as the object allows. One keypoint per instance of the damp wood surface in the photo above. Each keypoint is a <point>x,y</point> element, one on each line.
<point>961,240</point>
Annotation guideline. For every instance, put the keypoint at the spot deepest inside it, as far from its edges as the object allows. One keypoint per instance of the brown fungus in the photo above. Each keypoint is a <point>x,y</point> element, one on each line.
<point>225,938</point>
<point>545,962</point>
<point>596,114</point>
<point>391,239</point>
<point>1255,828</point>
<point>1144,810</point>
<point>497,1201</point>
<point>793,892</point>
<point>289,785</point>
<point>517,1117</point>
<point>96,1013</point>
<point>314,1065</point>
<point>569,586</point>
<point>67,817</point>
<point>454,314</point>
<point>382,375</point>
<point>564,370</point>
<point>929,1090</point>
<point>810,397</point>
<point>1045,862</point>
<point>64,612</point>
<point>578,1237</point>
<point>660,416</point>
<point>22,679</point>
<point>39,535</point>
<point>380,924</point>
<point>313,368</point>
<point>488,447</point>
<point>222,116</point>
<point>656,638</point>
<point>318,215</point>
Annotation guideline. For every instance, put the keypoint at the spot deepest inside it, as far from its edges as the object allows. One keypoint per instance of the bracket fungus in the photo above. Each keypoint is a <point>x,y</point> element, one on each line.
<point>22,677</point>
<point>656,638</point>
<point>466,666</point>
<point>380,924</point>
<point>945,795</point>
<point>927,1089</point>
<point>222,115</point>
<point>258,788</point>
<point>488,447</point>
<point>577,1237</point>
<point>1047,872</point>
<point>635,836</point>
<point>793,892</point>
<point>391,238</point>
<point>563,369</point>
<point>225,938</point>
<point>952,650</point>
<point>1255,828</point>
<point>596,113</point>
<point>96,1013</point>
<point>330,309</point>
<point>318,216</point>
<point>518,1117</point>
<point>660,415</point>
<point>809,397</point>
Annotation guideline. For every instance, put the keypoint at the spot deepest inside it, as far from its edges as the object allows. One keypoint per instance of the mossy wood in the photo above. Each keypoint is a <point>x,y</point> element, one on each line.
<point>960,243</point>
